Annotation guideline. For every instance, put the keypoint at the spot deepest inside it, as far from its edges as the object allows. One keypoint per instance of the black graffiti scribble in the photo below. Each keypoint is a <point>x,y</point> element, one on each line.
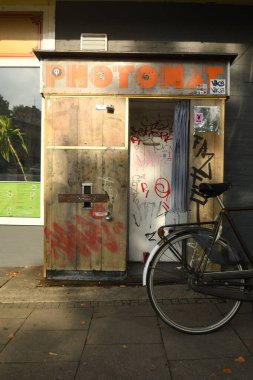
<point>150,129</point>
<point>150,236</point>
<point>198,174</point>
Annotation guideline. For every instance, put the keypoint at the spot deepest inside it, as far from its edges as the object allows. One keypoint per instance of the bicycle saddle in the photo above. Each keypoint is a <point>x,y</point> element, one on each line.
<point>211,190</point>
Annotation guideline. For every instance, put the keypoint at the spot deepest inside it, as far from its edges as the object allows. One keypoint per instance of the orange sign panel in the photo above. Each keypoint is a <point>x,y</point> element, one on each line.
<point>83,77</point>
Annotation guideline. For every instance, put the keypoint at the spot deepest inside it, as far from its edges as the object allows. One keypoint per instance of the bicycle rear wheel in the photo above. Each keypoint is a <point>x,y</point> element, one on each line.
<point>169,283</point>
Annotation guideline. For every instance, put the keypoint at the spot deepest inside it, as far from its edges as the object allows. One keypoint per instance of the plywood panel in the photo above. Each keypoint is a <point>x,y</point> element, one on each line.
<point>206,162</point>
<point>90,122</point>
<point>114,232</point>
<point>65,121</point>
<point>89,236</point>
<point>97,127</point>
<point>114,123</point>
<point>79,238</point>
<point>60,230</point>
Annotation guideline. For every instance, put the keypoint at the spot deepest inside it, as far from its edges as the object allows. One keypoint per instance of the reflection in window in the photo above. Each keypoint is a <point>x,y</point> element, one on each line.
<point>20,141</point>
<point>20,132</point>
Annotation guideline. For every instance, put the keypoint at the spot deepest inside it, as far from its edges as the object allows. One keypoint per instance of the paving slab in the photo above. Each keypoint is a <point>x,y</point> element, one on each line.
<point>8,328</point>
<point>214,369</point>
<point>70,294</point>
<point>223,343</point>
<point>14,312</point>
<point>123,362</point>
<point>38,371</point>
<point>243,326</point>
<point>59,319</point>
<point>108,332</point>
<point>44,346</point>
<point>133,309</point>
<point>113,330</point>
<point>3,281</point>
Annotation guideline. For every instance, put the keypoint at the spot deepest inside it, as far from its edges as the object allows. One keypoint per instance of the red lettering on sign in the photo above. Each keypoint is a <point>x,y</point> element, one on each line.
<point>54,73</point>
<point>77,76</point>
<point>134,77</point>
<point>101,76</point>
<point>172,76</point>
<point>195,79</point>
<point>146,76</point>
<point>213,72</point>
<point>124,72</point>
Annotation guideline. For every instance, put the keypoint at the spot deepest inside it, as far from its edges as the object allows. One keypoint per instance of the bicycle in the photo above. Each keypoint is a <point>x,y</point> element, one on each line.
<point>196,278</point>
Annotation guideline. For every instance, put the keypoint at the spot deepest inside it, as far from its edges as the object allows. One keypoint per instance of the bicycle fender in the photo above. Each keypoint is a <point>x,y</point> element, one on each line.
<point>149,259</point>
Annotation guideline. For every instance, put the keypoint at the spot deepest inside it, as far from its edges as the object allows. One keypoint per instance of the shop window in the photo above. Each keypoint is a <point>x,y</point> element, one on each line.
<point>20,142</point>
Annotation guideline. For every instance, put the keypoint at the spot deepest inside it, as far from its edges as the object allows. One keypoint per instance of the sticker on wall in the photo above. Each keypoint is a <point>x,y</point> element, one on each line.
<point>20,199</point>
<point>218,86</point>
<point>207,119</point>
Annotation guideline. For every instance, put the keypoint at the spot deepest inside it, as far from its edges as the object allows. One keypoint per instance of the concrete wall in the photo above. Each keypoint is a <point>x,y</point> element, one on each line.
<point>21,245</point>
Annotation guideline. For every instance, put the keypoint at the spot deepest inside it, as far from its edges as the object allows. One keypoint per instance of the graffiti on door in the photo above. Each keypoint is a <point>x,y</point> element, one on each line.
<point>200,171</point>
<point>84,233</point>
<point>150,174</point>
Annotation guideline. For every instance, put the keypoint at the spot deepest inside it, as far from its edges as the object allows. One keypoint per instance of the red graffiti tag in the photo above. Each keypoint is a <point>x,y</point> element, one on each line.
<point>162,187</point>
<point>85,234</point>
<point>144,188</point>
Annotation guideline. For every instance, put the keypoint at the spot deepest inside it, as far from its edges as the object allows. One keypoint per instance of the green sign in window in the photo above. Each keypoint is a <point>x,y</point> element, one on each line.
<point>20,199</point>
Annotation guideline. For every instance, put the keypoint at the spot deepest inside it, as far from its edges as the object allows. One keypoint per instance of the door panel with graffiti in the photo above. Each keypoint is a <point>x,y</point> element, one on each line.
<point>151,138</point>
<point>86,150</point>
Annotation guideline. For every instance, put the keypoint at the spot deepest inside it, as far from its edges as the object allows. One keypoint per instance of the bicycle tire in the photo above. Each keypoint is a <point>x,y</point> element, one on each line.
<point>169,290</point>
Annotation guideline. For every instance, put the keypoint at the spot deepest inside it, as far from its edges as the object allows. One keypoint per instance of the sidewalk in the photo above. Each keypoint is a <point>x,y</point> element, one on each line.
<point>107,333</point>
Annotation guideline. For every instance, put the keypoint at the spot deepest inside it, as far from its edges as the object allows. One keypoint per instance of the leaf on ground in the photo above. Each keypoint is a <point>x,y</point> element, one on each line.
<point>53,354</point>
<point>82,322</point>
<point>228,371</point>
<point>240,360</point>
<point>11,336</point>
<point>214,376</point>
<point>12,274</point>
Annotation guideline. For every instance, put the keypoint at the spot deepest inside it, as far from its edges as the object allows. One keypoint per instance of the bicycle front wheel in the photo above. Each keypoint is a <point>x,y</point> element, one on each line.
<point>169,283</point>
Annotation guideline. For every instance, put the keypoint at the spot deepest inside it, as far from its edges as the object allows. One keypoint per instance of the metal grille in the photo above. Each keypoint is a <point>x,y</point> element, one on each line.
<point>93,42</point>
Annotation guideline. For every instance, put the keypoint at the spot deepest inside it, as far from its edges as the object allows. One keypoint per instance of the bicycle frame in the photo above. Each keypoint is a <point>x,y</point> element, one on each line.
<point>221,277</point>
<point>178,227</point>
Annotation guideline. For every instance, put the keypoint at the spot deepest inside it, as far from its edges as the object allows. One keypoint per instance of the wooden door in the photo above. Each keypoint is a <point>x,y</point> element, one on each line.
<point>86,146</point>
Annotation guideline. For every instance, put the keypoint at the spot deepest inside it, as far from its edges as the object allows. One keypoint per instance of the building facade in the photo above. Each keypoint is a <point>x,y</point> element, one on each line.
<point>113,75</point>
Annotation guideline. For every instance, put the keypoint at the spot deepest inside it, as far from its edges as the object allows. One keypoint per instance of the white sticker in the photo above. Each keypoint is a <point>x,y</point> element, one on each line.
<point>218,86</point>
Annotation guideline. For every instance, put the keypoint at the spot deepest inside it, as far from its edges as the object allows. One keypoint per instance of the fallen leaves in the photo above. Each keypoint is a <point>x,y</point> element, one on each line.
<point>228,371</point>
<point>52,354</point>
<point>240,360</point>
<point>11,336</point>
<point>12,274</point>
